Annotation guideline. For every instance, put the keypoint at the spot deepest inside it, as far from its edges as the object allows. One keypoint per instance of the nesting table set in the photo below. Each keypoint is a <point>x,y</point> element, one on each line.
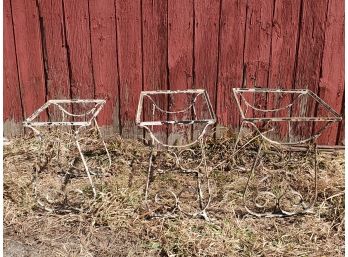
<point>186,116</point>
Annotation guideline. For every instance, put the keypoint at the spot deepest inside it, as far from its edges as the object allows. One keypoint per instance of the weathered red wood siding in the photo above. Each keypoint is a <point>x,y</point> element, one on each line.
<point>258,35</point>
<point>180,48</point>
<point>55,52</point>
<point>331,84</point>
<point>231,60</point>
<point>284,40</point>
<point>113,49</point>
<point>13,111</point>
<point>206,41</point>
<point>30,61</point>
<point>129,41</point>
<point>310,53</point>
<point>78,40</point>
<point>155,56</point>
<point>180,44</point>
<point>104,60</point>
<point>154,47</point>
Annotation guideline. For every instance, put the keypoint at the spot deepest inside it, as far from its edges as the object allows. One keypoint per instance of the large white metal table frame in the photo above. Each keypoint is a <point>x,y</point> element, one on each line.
<point>269,117</point>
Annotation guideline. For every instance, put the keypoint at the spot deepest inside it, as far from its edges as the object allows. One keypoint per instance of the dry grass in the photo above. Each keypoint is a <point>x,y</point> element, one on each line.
<point>117,223</point>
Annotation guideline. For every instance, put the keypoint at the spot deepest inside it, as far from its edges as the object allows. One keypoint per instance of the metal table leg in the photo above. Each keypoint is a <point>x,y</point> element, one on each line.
<point>200,177</point>
<point>270,203</point>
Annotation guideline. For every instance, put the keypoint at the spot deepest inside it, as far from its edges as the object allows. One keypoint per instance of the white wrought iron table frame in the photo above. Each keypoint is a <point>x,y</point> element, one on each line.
<point>310,142</point>
<point>93,112</point>
<point>149,125</point>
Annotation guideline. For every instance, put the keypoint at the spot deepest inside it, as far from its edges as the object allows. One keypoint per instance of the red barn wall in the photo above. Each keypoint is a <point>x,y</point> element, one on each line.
<point>113,49</point>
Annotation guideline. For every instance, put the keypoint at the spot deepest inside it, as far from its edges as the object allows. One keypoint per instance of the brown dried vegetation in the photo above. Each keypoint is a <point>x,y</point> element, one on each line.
<point>118,224</point>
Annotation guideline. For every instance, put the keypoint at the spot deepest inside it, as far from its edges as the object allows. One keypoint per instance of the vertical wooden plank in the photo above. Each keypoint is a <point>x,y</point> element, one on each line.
<point>128,15</point>
<point>13,112</point>
<point>155,44</point>
<point>232,33</point>
<point>311,44</point>
<point>58,85</point>
<point>180,53</point>
<point>207,14</point>
<point>257,46</point>
<point>29,54</point>
<point>180,44</point>
<point>104,57</point>
<point>79,48</point>
<point>155,52</point>
<point>309,59</point>
<point>284,39</point>
<point>331,84</point>
<point>283,55</point>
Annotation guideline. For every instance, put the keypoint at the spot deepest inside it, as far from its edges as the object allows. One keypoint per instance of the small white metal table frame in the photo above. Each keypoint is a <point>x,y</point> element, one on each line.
<point>67,118</point>
<point>187,115</point>
<point>290,108</point>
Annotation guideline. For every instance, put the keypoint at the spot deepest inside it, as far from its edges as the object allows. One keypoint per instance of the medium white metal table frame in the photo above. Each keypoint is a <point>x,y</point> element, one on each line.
<point>177,150</point>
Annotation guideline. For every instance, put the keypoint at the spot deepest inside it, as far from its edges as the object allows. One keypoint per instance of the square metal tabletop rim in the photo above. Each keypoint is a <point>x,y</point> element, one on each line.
<point>164,92</point>
<point>76,101</point>
<point>180,122</point>
<point>275,90</point>
<point>56,123</point>
<point>161,92</point>
<point>336,117</point>
<point>99,104</point>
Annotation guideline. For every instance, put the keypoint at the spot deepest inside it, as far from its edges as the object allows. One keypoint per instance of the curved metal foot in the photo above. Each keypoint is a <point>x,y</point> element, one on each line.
<point>268,200</point>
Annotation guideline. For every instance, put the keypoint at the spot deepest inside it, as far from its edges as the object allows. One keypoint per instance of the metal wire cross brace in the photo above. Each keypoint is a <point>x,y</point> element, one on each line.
<point>74,115</point>
<point>289,120</point>
<point>184,115</point>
